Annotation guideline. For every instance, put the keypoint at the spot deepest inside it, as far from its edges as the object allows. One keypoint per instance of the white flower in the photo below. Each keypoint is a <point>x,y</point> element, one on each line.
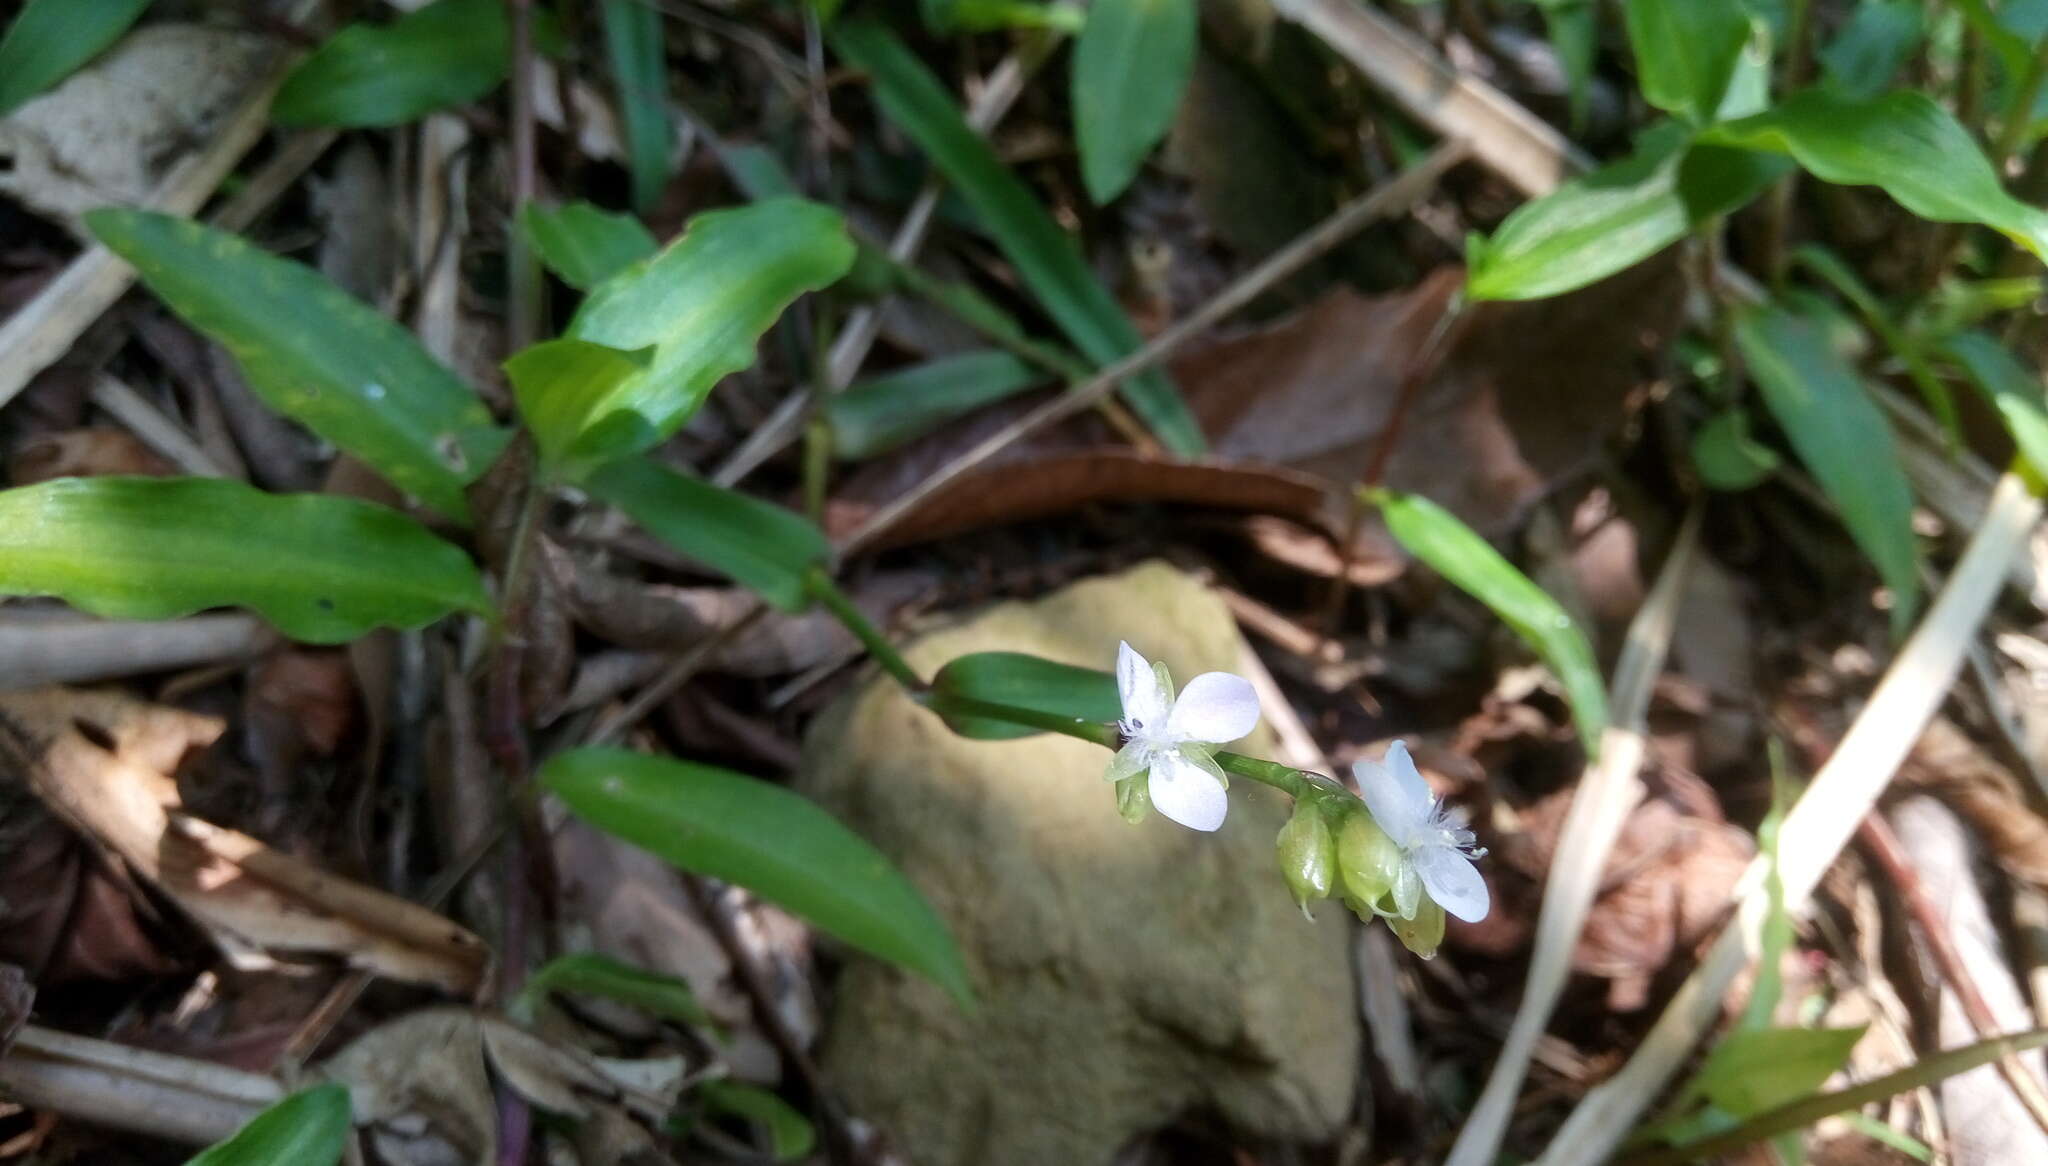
<point>1436,847</point>
<point>1175,739</point>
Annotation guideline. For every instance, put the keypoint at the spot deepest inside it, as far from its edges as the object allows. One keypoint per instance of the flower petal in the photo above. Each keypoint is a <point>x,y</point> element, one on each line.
<point>1184,793</point>
<point>1130,761</point>
<point>1144,699</point>
<point>1407,891</point>
<point>1454,882</point>
<point>1395,793</point>
<point>1215,706</point>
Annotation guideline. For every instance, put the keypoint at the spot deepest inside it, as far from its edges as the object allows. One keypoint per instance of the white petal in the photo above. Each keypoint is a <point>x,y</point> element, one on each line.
<point>1454,882</point>
<point>1130,761</point>
<point>1181,791</point>
<point>1407,891</point>
<point>1397,796</point>
<point>1215,706</point>
<point>1143,699</point>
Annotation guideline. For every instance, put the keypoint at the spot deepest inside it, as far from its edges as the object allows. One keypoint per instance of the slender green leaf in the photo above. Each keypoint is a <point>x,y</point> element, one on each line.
<point>790,1135</point>
<point>1456,552</point>
<point>588,973</point>
<point>758,544</point>
<point>316,354</point>
<point>1843,279</point>
<point>881,413</point>
<point>583,244</point>
<point>1841,436</point>
<point>449,53</point>
<point>557,383</point>
<point>308,1128</point>
<point>1574,30</point>
<point>1902,142</point>
<point>52,38</point>
<point>1131,65</point>
<point>1756,1069</point>
<point>1727,457</point>
<point>1022,681</point>
<point>1860,62</point>
<point>1929,1070</point>
<point>1046,257</point>
<point>700,304</point>
<point>1686,51</point>
<point>944,16</point>
<point>321,567</point>
<point>639,60</point>
<point>766,839</point>
<point>2014,391</point>
<point>1603,222</point>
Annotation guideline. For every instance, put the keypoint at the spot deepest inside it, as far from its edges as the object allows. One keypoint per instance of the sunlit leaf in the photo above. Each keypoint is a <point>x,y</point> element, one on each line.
<point>1046,257</point>
<point>1435,536</point>
<point>1021,681</point>
<point>316,354</point>
<point>448,53</point>
<point>790,1135</point>
<point>1131,66</point>
<point>322,567</point>
<point>756,543</point>
<point>639,60</point>
<point>1756,1069</point>
<point>762,837</point>
<point>589,973</point>
<point>308,1128</point>
<point>583,244</point>
<point>1686,50</point>
<point>2014,391</point>
<point>944,16</point>
<point>1903,142</point>
<point>881,413</point>
<point>1841,436</point>
<point>52,38</point>
<point>701,303</point>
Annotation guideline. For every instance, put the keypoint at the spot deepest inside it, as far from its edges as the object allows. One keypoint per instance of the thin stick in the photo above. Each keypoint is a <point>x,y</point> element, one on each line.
<point>685,666</point>
<point>1393,196</point>
<point>1876,835</point>
<point>155,428</point>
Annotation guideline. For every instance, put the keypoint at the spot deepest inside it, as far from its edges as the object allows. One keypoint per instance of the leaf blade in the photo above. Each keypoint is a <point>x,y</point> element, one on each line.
<point>320,567</point>
<point>633,42</point>
<point>449,53</point>
<point>52,39</point>
<point>880,413</point>
<point>767,839</point>
<point>1686,52</point>
<point>583,244</point>
<point>1022,681</point>
<point>307,1128</point>
<point>758,544</point>
<point>1132,62</point>
<point>316,354</point>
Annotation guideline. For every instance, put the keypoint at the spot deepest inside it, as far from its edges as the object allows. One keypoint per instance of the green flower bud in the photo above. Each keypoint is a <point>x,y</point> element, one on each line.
<point>1367,860</point>
<point>1308,853</point>
<point>1423,933</point>
<point>1134,798</point>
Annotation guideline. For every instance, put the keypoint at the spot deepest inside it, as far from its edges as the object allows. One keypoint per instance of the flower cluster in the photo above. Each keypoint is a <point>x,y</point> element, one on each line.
<point>1399,854</point>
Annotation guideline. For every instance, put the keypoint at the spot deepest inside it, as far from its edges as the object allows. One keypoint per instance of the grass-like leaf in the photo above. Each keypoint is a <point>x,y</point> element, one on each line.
<point>591,974</point>
<point>321,567</point>
<point>790,1134</point>
<point>760,836</point>
<point>316,354</point>
<point>878,414</point>
<point>308,1128</point>
<point>633,42</point>
<point>1131,66</point>
<point>1455,551</point>
<point>1046,257</point>
<point>448,53</point>
<point>2015,392</point>
<point>52,38</point>
<point>757,543</point>
<point>583,244</point>
<point>1841,436</point>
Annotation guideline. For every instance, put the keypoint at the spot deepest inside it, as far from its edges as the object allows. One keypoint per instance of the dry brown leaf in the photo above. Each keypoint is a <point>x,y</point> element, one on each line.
<point>102,762</point>
<point>1945,762</point>
<point>84,453</point>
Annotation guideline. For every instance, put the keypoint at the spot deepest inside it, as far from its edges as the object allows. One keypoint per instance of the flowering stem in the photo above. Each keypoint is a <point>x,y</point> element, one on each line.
<point>1285,778</point>
<point>826,592</point>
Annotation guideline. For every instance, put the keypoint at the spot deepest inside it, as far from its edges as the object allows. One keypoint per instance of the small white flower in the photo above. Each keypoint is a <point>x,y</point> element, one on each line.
<point>1175,739</point>
<point>1436,847</point>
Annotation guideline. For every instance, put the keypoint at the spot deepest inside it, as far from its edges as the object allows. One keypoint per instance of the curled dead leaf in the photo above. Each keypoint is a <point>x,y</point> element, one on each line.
<point>84,453</point>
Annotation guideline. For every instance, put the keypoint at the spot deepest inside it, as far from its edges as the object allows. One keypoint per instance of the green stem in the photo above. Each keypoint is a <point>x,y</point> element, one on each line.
<point>1285,778</point>
<point>827,593</point>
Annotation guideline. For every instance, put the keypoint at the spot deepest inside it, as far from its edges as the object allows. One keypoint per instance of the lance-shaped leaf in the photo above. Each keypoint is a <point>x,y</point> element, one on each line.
<point>1902,142</point>
<point>316,354</point>
<point>583,244</point>
<point>308,1128</point>
<point>639,59</point>
<point>1686,51</point>
<point>321,567</point>
<point>1841,436</point>
<point>1131,66</point>
<point>558,382</point>
<point>1617,216</point>
<point>1455,551</point>
<point>758,544</point>
<point>1860,62</point>
<point>700,304</point>
<point>2014,391</point>
<point>1756,1069</point>
<point>775,843</point>
<point>52,38</point>
<point>1020,681</point>
<point>1046,257</point>
<point>881,413</point>
<point>592,974</point>
<point>790,1136</point>
<point>448,53</point>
